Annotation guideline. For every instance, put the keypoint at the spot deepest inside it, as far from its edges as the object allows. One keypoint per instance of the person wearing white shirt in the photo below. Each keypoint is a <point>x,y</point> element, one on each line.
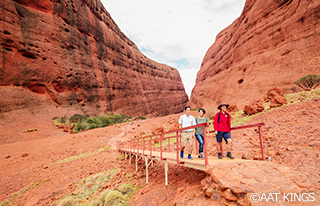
<point>187,139</point>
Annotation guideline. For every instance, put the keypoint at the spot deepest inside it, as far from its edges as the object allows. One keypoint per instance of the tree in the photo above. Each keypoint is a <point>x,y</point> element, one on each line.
<point>308,82</point>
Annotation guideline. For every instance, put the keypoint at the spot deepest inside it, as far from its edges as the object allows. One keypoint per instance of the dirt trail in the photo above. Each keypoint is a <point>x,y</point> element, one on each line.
<point>291,138</point>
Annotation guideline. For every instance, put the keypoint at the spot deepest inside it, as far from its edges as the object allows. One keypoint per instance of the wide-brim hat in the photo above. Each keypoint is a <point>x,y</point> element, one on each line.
<point>223,104</point>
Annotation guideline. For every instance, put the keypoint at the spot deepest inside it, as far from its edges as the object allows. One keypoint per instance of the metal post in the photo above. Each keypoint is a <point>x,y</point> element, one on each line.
<point>138,146</point>
<point>143,145</point>
<point>150,147</point>
<point>261,143</point>
<point>131,155</point>
<point>166,171</point>
<point>146,169</point>
<point>136,162</point>
<point>180,140</point>
<point>160,147</point>
<point>205,145</point>
<point>147,166</point>
<point>197,151</point>
<point>177,147</point>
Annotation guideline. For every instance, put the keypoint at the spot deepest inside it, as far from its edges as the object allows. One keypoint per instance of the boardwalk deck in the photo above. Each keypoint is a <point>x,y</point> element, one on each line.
<point>171,157</point>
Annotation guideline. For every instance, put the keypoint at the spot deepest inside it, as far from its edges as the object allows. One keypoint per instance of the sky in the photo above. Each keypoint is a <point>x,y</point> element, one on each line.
<point>177,33</point>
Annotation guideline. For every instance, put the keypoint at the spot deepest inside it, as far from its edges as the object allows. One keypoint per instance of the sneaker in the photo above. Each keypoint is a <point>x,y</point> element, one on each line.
<point>181,154</point>
<point>189,157</point>
<point>230,155</point>
<point>219,156</point>
<point>201,156</point>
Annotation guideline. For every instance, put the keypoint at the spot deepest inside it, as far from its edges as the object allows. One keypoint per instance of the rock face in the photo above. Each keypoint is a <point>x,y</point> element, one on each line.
<point>71,56</point>
<point>272,43</point>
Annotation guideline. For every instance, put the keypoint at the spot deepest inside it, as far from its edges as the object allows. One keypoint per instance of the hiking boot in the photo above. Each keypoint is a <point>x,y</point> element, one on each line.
<point>189,157</point>
<point>181,154</point>
<point>219,156</point>
<point>229,155</point>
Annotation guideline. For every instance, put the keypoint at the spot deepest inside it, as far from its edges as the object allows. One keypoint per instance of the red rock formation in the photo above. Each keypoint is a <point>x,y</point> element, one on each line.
<point>275,94</point>
<point>272,43</point>
<point>254,107</point>
<point>74,53</point>
<point>71,57</point>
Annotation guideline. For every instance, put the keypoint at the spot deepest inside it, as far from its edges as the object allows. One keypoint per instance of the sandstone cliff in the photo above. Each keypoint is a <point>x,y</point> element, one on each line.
<point>68,56</point>
<point>272,43</point>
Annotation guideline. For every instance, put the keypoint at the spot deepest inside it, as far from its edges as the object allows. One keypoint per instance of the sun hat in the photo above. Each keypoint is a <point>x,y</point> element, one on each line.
<point>223,104</point>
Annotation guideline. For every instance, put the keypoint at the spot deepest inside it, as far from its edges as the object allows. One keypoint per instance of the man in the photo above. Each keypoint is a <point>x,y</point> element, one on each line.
<point>222,128</point>
<point>187,120</point>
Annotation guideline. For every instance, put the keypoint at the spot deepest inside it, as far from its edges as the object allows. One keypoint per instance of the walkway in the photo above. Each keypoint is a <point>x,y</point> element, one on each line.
<point>230,182</point>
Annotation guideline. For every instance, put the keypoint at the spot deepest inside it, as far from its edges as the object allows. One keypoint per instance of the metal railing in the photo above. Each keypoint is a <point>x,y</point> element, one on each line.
<point>148,143</point>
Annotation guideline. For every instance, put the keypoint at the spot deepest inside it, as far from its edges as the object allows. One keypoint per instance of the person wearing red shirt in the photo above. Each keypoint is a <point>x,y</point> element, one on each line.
<point>222,128</point>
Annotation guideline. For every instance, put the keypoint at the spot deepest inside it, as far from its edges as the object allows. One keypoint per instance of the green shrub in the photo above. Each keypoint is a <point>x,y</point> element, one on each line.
<point>308,82</point>
<point>126,188</point>
<point>140,117</point>
<point>107,120</point>
<point>82,122</point>
<point>103,195</point>
<point>80,127</point>
<point>77,118</point>
<point>55,118</point>
<point>294,89</point>
<point>70,201</point>
<point>95,203</point>
<point>113,197</point>
<point>4,203</point>
<point>63,119</point>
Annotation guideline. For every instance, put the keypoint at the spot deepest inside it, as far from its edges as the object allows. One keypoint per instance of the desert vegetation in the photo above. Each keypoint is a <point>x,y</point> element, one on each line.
<point>91,191</point>
<point>78,122</point>
<point>308,82</point>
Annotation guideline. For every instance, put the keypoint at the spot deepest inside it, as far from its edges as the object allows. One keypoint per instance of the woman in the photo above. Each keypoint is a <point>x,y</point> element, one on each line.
<point>199,130</point>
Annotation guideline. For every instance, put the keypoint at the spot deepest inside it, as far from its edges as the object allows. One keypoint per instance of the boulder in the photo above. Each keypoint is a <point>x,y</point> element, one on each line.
<point>254,107</point>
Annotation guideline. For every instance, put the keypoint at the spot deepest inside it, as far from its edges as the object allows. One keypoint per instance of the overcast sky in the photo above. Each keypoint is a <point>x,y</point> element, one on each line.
<point>177,33</point>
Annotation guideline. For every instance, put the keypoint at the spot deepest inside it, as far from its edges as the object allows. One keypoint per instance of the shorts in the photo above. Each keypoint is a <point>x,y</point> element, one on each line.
<point>186,137</point>
<point>225,135</point>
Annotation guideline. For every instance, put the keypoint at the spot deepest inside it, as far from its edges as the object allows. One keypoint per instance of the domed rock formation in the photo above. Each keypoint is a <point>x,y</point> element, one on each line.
<point>272,43</point>
<point>64,57</point>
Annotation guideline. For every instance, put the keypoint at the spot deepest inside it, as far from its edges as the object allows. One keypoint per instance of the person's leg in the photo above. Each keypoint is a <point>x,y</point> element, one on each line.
<point>183,143</point>
<point>228,139</point>
<point>219,141</point>
<point>200,140</point>
<point>190,142</point>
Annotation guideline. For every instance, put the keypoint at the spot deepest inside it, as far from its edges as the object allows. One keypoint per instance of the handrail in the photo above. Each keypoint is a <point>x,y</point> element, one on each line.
<point>135,143</point>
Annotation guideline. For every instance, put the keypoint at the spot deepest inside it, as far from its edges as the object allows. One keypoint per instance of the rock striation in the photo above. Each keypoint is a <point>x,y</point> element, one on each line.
<point>68,56</point>
<point>272,43</point>
<point>75,54</point>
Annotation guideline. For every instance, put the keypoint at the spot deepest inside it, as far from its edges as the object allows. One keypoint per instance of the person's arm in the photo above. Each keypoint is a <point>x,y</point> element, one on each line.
<point>215,124</point>
<point>180,122</point>
<point>208,127</point>
<point>194,123</point>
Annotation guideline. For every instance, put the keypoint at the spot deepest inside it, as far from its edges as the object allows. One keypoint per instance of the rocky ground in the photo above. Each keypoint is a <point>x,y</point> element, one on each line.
<point>33,174</point>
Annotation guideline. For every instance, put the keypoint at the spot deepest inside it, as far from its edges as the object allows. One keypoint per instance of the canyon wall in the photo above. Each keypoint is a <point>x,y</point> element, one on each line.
<point>61,57</point>
<point>272,43</point>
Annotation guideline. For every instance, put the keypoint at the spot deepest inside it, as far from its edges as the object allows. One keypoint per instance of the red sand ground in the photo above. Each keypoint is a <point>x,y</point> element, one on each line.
<point>291,138</point>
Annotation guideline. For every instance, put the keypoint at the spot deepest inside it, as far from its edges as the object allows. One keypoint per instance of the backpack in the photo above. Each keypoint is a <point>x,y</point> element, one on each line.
<point>219,116</point>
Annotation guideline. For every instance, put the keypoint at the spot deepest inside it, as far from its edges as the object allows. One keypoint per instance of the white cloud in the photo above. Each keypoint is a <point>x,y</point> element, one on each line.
<point>174,32</point>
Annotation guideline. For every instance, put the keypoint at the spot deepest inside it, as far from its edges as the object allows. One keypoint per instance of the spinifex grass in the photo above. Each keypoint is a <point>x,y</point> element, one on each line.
<point>90,191</point>
<point>69,159</point>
